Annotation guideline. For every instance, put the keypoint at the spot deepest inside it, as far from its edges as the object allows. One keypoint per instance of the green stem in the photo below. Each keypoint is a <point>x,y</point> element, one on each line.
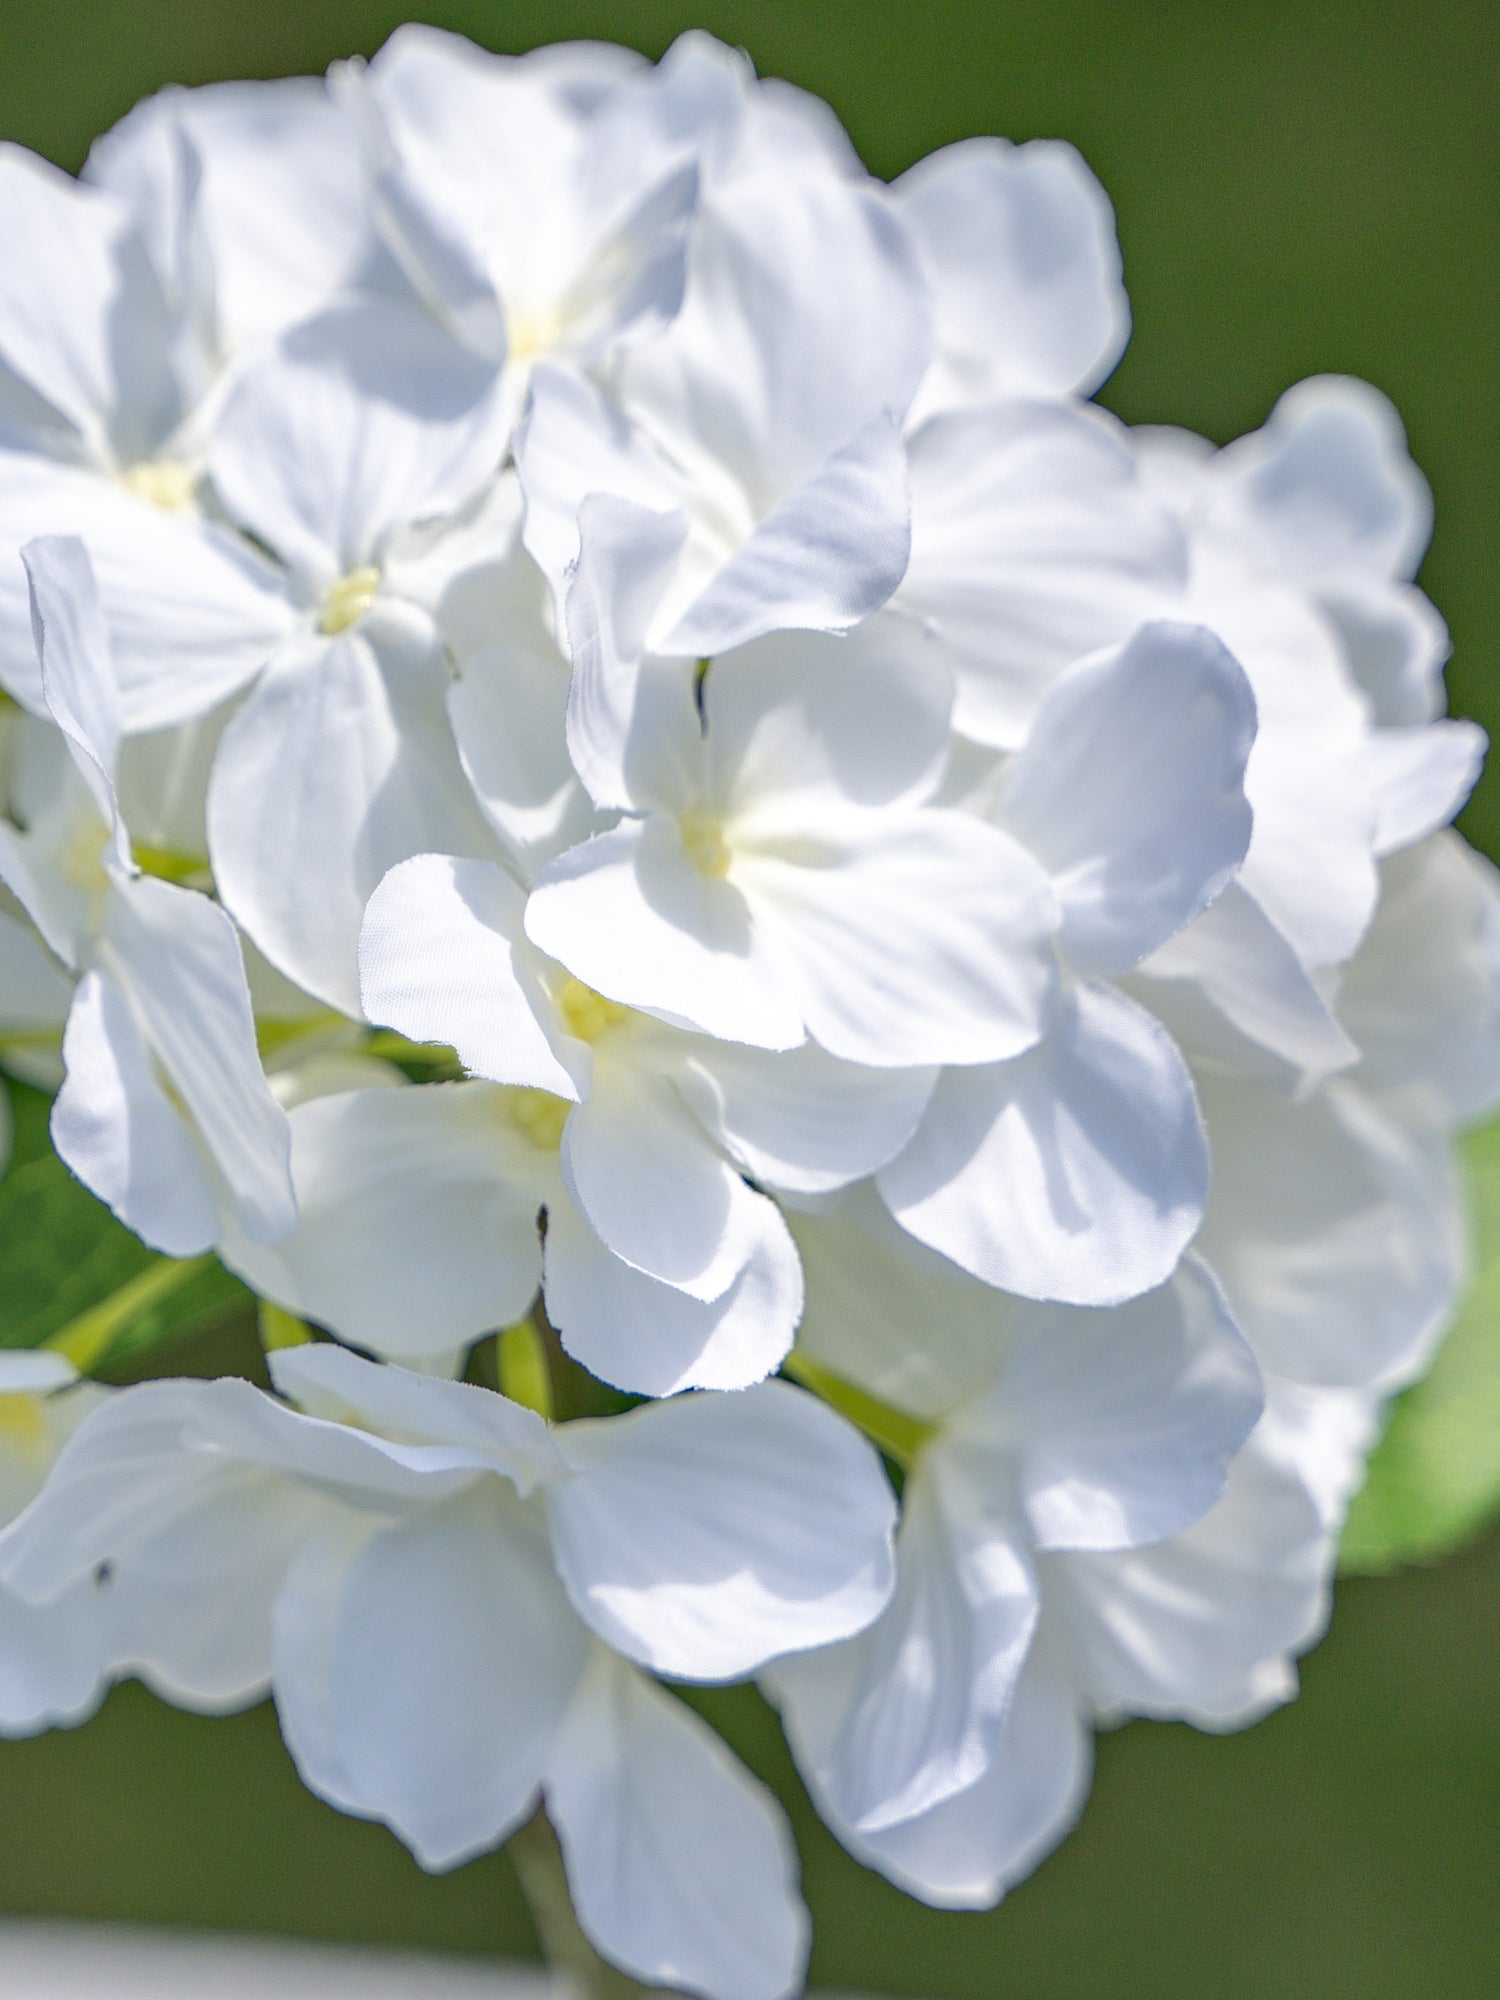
<point>278,1328</point>
<point>524,1370</point>
<point>86,1340</point>
<point>396,1048</point>
<point>169,864</point>
<point>899,1436</point>
<point>538,1862</point>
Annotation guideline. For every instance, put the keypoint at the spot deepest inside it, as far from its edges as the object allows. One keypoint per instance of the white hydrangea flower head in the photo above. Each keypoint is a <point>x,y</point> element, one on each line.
<point>611,784</point>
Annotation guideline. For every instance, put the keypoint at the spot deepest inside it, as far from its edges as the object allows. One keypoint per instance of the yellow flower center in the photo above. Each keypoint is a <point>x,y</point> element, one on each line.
<point>529,334</point>
<point>587,1013</point>
<point>349,599</point>
<point>165,482</point>
<point>82,858</point>
<point>541,1116</point>
<point>23,1427</point>
<point>703,842</point>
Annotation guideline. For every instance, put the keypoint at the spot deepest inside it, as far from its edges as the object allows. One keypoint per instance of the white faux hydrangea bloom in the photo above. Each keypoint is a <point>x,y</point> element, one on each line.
<point>602,749</point>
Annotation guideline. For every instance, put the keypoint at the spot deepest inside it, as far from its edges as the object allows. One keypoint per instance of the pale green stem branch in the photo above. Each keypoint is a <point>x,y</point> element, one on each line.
<point>279,1328</point>
<point>537,1860</point>
<point>899,1436</point>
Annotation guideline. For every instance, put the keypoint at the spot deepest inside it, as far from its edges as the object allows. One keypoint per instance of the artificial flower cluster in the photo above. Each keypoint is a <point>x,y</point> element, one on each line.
<point>602,748</point>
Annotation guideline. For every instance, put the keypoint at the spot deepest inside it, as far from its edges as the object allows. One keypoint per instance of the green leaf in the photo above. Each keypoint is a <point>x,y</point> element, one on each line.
<point>1434,1479</point>
<point>30,1110</point>
<point>62,1254</point>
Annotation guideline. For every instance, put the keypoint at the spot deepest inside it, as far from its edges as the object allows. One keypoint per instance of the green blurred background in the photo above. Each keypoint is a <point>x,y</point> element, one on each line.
<point>1300,188</point>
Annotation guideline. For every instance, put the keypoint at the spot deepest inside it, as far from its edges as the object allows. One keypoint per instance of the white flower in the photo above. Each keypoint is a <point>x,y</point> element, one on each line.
<point>537,205</point>
<point>101,378</point>
<point>1302,537</point>
<point>762,425</point>
<point>1201,1627</point>
<point>665,1267</point>
<point>786,870</point>
<point>1078,1171</point>
<point>164,1111</point>
<point>52,1656</point>
<point>248,198</point>
<point>1032,1428</point>
<point>361,425</point>
<point>1034,541</point>
<point>508,700</point>
<point>1017,244</point>
<point>407,1549</point>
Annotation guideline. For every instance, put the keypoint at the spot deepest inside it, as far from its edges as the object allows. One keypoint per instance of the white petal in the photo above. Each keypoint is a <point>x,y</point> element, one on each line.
<point>78,682</point>
<point>630,280</point>
<point>1329,485</point>
<point>362,420</point>
<point>508,709</point>
<point>906,1714</point>
<point>491,190</point>
<point>177,956</point>
<point>1395,645</point>
<point>192,611</point>
<point>1129,791</point>
<point>442,958</point>
<point>1205,1625</point>
<point>1018,244</point>
<point>1232,991</point>
<point>1310,863</point>
<point>52,1659</point>
<point>907,938</point>
<point>355,750</point>
<point>1033,542</point>
<point>705,1535</point>
<point>1077,1172</point>
<point>1122,1422</point>
<point>33,865</point>
<point>34,994</point>
<point>869,1284</point>
<point>1422,998</point>
<point>83,324</point>
<point>629,914</point>
<point>650,1183</point>
<point>431,1674</point>
<point>31,1371</point>
<point>1333,1229</point>
<point>1422,778</point>
<point>281,201</point>
<point>801,1120</point>
<point>192,1600</point>
<point>965,1853</point>
<point>758,370</point>
<point>121,1134</point>
<point>162,784</point>
<point>823,558</point>
<point>464,1429</point>
<point>442,260</point>
<point>417,1225</point>
<point>574,446</point>
<point>681,1867</point>
<point>799,722</point>
<point>651,1339</point>
<point>626,554</point>
<point>194,1542</point>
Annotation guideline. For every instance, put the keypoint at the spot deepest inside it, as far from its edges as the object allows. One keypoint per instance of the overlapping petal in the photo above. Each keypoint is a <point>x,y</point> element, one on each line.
<point>1077,1172</point>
